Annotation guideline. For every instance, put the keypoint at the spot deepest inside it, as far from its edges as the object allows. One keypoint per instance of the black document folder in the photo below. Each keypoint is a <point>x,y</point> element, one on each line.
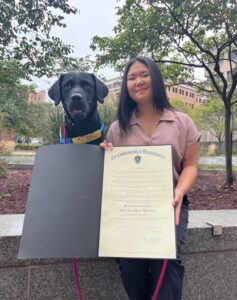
<point>64,204</point>
<point>86,202</point>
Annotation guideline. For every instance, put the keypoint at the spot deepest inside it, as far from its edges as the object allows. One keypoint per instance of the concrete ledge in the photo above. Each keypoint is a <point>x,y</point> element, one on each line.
<point>11,225</point>
<point>200,238</point>
<point>210,262</point>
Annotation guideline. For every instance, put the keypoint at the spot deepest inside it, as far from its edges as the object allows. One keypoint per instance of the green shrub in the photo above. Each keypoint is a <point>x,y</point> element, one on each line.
<point>3,168</point>
<point>234,153</point>
<point>107,114</point>
<point>51,127</point>
<point>235,169</point>
<point>28,146</point>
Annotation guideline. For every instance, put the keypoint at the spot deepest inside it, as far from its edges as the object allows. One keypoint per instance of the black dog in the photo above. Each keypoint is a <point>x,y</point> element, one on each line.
<point>79,92</point>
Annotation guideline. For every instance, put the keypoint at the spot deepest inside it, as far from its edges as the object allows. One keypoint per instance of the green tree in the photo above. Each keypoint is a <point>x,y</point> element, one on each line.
<point>45,122</point>
<point>54,121</point>
<point>194,113</point>
<point>31,120</point>
<point>37,120</point>
<point>180,106</point>
<point>186,34</point>
<point>107,113</point>
<point>25,36</point>
<point>212,119</point>
<point>14,109</point>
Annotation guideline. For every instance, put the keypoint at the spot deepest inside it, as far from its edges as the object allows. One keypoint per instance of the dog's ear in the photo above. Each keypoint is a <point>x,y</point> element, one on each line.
<point>55,91</point>
<point>101,89</point>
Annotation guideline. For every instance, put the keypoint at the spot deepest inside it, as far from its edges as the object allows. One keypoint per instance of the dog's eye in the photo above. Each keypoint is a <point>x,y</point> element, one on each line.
<point>86,84</point>
<point>68,84</point>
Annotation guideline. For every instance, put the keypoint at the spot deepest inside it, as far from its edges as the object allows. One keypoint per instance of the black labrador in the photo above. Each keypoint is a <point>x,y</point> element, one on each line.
<point>79,92</point>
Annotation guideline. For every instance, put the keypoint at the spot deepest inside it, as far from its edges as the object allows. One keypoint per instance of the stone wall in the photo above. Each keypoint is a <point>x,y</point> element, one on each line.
<point>210,261</point>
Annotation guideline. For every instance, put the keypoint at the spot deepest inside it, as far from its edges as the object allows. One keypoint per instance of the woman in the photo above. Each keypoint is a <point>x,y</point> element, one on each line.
<point>145,117</point>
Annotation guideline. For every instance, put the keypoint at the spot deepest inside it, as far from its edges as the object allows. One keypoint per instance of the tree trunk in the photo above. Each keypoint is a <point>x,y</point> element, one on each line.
<point>219,146</point>
<point>228,147</point>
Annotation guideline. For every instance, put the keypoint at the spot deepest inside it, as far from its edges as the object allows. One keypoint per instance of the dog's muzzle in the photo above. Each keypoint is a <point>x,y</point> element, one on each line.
<point>76,97</point>
<point>78,107</point>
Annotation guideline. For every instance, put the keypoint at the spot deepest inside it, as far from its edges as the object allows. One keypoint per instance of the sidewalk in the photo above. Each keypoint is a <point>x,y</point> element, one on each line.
<point>20,158</point>
<point>26,157</point>
<point>23,153</point>
<point>216,160</point>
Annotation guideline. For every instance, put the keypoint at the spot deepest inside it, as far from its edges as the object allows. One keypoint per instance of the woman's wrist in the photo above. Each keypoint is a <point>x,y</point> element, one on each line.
<point>179,192</point>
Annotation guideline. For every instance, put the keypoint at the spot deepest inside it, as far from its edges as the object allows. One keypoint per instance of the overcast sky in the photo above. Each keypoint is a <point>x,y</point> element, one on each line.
<point>96,17</point>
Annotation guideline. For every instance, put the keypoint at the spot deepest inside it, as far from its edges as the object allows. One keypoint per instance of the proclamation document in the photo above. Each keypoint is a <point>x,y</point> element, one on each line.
<point>137,216</point>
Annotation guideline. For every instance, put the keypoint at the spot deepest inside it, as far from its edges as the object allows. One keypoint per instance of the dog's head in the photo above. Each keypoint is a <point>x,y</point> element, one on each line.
<point>79,92</point>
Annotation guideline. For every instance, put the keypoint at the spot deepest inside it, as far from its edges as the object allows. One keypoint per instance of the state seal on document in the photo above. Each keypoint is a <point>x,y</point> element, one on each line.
<point>137,159</point>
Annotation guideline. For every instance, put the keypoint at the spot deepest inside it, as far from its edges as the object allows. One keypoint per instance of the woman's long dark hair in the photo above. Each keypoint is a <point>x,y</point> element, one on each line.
<point>127,105</point>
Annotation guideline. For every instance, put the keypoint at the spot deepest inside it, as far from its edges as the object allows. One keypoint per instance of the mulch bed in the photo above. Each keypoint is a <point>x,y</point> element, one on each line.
<point>206,194</point>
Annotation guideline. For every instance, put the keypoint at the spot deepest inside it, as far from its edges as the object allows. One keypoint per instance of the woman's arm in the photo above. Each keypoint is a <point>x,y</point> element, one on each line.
<point>187,178</point>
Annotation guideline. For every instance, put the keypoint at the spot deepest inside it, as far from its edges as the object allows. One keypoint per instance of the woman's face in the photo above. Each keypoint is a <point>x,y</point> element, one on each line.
<point>139,83</point>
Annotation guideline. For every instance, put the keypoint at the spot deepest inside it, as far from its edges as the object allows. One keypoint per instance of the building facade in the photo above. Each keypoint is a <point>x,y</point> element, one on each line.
<point>185,93</point>
<point>36,97</point>
<point>225,66</point>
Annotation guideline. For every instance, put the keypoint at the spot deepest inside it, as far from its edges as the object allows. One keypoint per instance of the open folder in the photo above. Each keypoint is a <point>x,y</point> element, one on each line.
<point>86,202</point>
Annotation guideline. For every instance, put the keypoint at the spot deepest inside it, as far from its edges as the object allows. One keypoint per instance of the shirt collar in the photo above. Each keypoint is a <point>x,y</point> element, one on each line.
<point>167,115</point>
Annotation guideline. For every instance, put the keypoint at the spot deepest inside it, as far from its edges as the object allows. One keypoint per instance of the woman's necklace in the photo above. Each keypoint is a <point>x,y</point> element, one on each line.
<point>154,122</point>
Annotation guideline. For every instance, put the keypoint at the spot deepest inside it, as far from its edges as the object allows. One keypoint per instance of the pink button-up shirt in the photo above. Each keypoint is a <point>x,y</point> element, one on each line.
<point>174,128</point>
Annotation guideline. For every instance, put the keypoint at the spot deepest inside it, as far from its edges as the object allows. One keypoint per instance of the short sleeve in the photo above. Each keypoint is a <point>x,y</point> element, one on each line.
<point>112,133</point>
<point>109,136</point>
<point>193,135</point>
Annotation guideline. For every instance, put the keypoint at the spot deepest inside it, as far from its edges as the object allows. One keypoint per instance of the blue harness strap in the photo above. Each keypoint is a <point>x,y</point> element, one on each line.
<point>81,139</point>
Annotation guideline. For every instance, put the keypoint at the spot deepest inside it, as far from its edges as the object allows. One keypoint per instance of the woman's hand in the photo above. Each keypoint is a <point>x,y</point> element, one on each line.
<point>106,146</point>
<point>177,203</point>
<point>186,178</point>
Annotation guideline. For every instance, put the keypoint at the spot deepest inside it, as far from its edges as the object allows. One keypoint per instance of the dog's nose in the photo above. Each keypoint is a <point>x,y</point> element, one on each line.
<point>77,97</point>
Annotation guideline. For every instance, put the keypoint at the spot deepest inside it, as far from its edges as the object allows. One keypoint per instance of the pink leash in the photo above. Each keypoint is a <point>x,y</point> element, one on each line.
<point>76,279</point>
<point>161,278</point>
<point>154,297</point>
<point>75,270</point>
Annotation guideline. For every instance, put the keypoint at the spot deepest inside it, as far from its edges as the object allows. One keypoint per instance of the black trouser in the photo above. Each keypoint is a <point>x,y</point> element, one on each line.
<point>140,276</point>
